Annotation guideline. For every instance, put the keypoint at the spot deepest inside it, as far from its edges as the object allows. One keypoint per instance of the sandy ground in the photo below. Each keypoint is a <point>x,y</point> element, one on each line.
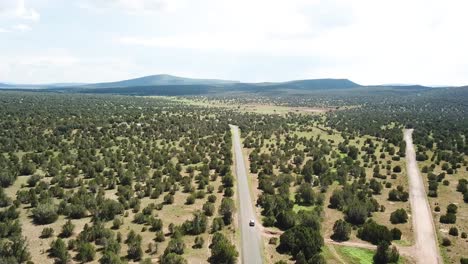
<point>427,250</point>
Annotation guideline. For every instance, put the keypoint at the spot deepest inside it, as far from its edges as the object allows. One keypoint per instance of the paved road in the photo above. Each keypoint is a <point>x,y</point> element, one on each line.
<point>427,250</point>
<point>250,236</point>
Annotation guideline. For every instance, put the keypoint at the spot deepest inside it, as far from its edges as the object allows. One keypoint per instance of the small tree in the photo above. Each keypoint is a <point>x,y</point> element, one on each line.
<point>67,229</point>
<point>45,213</point>
<point>453,231</point>
<point>47,232</point>
<point>374,233</point>
<point>59,251</point>
<point>448,218</point>
<point>452,209</point>
<point>159,236</point>
<point>86,252</point>
<point>301,239</point>
<point>341,230</point>
<point>172,258</point>
<point>396,233</point>
<point>116,223</point>
<point>222,250</point>
<point>176,245</point>
<point>227,209</point>
<point>208,208</point>
<point>197,225</point>
<point>446,242</point>
<point>134,251</point>
<point>356,213</point>
<point>384,254</point>
<point>169,198</point>
<point>399,216</point>
<point>4,199</point>
<point>110,258</point>
<point>199,241</point>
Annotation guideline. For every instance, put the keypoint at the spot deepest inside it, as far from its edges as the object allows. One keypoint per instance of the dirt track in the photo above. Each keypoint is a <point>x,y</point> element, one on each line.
<point>426,247</point>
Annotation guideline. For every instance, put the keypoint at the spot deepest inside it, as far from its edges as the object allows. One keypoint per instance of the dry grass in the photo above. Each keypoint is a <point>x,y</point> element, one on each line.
<point>260,108</point>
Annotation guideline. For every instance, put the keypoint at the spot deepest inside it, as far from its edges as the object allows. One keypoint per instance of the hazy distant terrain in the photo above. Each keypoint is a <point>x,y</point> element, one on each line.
<point>164,84</point>
<point>111,172</point>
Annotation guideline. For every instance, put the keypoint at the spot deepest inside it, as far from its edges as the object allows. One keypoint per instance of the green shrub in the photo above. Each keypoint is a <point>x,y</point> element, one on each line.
<point>86,252</point>
<point>446,242</point>
<point>374,233</point>
<point>396,233</point>
<point>453,231</point>
<point>384,254</point>
<point>341,230</point>
<point>47,232</point>
<point>45,213</point>
<point>199,241</point>
<point>399,216</point>
<point>67,229</point>
<point>452,209</point>
<point>448,218</point>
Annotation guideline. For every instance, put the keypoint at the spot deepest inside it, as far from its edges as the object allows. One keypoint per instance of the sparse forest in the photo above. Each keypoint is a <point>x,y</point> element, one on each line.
<point>116,179</point>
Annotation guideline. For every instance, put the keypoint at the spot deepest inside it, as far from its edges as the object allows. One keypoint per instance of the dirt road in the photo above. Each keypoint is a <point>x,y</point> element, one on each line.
<point>250,235</point>
<point>427,250</point>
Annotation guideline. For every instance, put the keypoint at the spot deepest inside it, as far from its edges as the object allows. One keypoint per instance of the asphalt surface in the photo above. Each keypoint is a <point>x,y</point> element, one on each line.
<point>250,236</point>
<point>427,250</point>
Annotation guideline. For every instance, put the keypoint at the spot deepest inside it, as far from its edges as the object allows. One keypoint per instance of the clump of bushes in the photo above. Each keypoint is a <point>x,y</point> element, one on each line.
<point>398,194</point>
<point>399,216</point>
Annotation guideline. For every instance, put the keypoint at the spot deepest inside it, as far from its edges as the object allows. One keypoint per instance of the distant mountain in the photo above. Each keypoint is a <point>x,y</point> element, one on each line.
<point>321,84</point>
<point>164,84</point>
<point>295,87</point>
<point>160,79</point>
<point>163,90</point>
<point>4,85</point>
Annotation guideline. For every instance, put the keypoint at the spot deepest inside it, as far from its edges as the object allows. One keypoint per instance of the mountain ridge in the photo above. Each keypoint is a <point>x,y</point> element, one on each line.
<point>159,79</point>
<point>165,84</point>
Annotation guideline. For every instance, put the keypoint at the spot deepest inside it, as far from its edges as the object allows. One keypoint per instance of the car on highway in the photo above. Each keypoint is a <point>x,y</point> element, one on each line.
<point>252,222</point>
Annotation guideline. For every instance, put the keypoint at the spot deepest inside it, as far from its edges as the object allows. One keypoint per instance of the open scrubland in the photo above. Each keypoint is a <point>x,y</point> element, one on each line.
<point>115,179</point>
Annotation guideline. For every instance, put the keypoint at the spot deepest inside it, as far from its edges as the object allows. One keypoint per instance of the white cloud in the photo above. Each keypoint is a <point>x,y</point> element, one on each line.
<point>135,7</point>
<point>22,27</point>
<point>26,13</point>
<point>52,66</point>
<point>48,60</point>
<point>16,12</point>
<point>263,26</point>
<point>18,9</point>
<point>399,41</point>
<point>371,41</point>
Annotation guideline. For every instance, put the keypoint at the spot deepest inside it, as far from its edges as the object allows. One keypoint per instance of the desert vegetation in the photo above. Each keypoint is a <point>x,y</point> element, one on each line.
<point>115,179</point>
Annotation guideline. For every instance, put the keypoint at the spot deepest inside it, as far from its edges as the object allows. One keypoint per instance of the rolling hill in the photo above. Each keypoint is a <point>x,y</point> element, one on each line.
<point>156,80</point>
<point>163,84</point>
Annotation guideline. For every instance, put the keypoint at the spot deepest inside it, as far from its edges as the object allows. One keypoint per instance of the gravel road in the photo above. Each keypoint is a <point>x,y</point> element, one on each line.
<point>427,250</point>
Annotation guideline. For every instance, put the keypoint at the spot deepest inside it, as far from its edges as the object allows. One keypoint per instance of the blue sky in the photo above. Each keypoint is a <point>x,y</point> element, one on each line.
<point>367,41</point>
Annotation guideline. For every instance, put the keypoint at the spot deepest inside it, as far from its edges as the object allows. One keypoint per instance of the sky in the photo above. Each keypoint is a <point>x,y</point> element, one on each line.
<point>366,41</point>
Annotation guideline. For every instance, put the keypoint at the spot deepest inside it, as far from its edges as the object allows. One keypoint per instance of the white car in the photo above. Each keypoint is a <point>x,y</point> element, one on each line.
<point>252,222</point>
